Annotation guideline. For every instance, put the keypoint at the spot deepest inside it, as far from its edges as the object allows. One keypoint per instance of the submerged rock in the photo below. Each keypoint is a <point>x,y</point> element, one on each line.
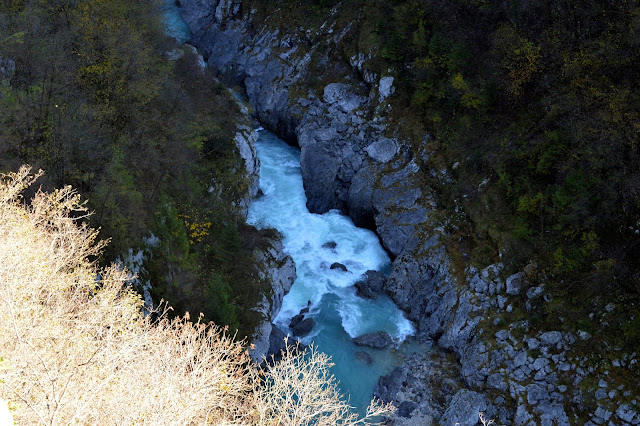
<point>378,340</point>
<point>306,310</point>
<point>364,357</point>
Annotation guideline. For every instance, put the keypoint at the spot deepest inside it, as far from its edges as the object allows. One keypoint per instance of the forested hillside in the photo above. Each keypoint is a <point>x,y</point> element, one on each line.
<point>94,93</point>
<point>537,105</point>
<point>533,114</point>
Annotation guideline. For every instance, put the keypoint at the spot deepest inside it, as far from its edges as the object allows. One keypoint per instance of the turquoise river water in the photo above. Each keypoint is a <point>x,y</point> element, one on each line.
<point>338,312</point>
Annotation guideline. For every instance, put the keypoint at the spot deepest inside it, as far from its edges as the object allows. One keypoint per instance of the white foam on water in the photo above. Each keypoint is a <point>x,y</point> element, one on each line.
<point>309,238</point>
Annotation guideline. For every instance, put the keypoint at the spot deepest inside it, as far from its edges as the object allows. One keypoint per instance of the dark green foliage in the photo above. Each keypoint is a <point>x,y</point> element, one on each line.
<point>95,102</point>
<point>538,106</point>
<point>218,305</point>
<point>543,106</point>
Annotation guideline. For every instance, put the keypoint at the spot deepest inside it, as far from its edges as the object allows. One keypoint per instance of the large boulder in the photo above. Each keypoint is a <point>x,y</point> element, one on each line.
<point>378,340</point>
<point>423,386</point>
<point>301,326</point>
<point>371,284</point>
<point>465,409</point>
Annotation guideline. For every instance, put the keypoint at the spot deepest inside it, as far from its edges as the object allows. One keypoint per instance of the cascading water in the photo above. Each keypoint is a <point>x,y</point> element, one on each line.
<point>315,242</point>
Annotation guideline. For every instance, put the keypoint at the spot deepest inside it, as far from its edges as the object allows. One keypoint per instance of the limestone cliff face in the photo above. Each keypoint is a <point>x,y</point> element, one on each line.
<point>245,140</point>
<point>344,145</point>
<point>352,160</point>
<point>279,270</point>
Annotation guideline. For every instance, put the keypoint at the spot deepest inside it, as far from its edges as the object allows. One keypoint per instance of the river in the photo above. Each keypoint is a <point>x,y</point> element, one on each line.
<point>315,242</point>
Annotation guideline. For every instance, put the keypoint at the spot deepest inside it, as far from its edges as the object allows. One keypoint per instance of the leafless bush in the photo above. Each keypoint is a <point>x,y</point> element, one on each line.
<point>80,350</point>
<point>299,390</point>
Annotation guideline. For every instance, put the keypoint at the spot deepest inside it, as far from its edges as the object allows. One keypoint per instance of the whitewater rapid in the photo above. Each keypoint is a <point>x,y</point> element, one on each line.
<point>315,242</point>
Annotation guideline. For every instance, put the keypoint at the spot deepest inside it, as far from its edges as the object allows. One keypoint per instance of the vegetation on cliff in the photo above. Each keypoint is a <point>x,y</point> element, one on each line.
<point>531,116</point>
<point>537,106</point>
<point>77,347</point>
<point>103,100</point>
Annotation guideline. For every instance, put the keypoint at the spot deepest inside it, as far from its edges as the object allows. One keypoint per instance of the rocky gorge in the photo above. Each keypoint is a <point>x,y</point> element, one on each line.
<point>354,159</point>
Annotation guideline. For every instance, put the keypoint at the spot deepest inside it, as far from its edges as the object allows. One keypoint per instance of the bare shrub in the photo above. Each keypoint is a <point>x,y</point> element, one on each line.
<point>79,348</point>
<point>299,390</point>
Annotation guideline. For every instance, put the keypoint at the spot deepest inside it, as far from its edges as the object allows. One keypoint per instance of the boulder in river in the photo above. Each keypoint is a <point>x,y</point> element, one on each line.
<point>301,326</point>
<point>306,310</point>
<point>340,266</point>
<point>278,342</point>
<point>330,245</point>
<point>378,340</point>
<point>371,284</point>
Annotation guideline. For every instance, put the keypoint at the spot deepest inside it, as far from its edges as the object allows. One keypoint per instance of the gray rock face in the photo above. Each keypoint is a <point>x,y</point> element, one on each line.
<point>360,197</point>
<point>336,140</point>
<point>424,386</point>
<point>378,340</point>
<point>278,269</point>
<point>276,342</point>
<point>339,94</point>
<point>318,175</point>
<point>386,87</point>
<point>382,150</point>
<point>465,408</point>
<point>245,140</point>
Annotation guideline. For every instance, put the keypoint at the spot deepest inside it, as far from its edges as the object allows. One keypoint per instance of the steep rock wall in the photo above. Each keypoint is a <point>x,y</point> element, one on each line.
<point>352,160</point>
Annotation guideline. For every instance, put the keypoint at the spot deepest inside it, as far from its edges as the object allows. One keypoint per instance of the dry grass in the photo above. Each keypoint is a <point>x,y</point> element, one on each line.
<point>80,350</point>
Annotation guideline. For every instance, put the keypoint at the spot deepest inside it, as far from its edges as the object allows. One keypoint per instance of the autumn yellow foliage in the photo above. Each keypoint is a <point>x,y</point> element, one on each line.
<point>79,348</point>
